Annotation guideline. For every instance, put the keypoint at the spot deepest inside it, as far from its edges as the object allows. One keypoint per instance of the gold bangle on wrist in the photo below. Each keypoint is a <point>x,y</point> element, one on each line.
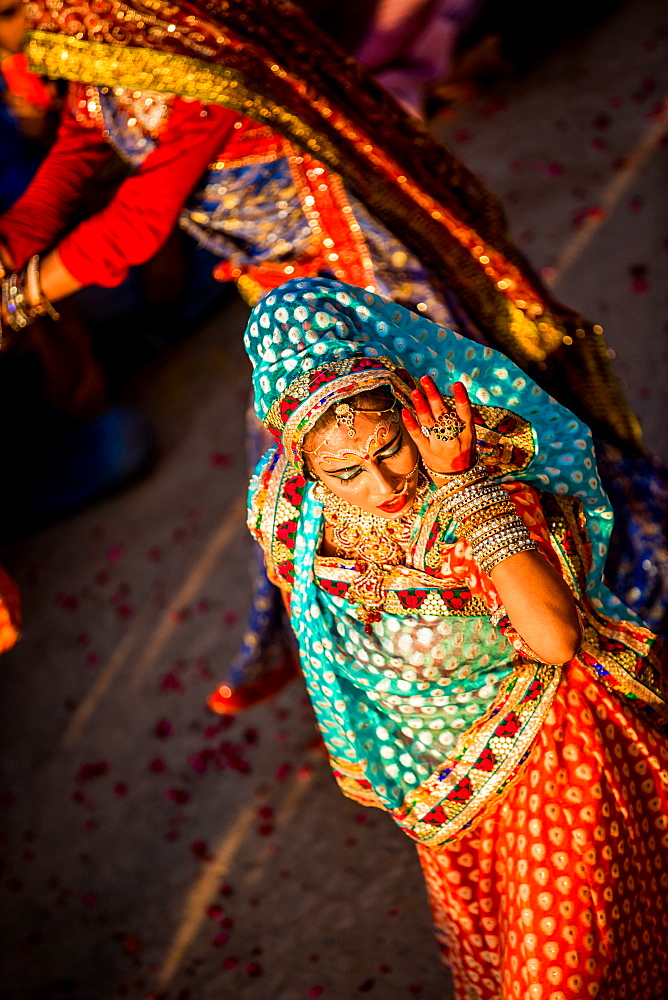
<point>486,517</point>
<point>15,299</point>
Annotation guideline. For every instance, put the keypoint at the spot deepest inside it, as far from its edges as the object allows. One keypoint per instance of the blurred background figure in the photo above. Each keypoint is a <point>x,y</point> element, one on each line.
<point>70,444</point>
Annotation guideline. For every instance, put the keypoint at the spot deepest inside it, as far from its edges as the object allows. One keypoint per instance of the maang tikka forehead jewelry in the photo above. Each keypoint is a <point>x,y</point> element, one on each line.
<point>345,414</point>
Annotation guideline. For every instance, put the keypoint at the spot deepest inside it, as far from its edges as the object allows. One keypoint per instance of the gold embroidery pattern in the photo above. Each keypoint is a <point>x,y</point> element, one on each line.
<point>351,780</point>
<point>400,579</point>
<point>485,759</point>
<point>621,654</point>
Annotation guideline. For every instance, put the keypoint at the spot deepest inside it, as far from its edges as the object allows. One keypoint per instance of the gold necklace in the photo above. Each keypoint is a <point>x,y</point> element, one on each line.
<point>376,544</point>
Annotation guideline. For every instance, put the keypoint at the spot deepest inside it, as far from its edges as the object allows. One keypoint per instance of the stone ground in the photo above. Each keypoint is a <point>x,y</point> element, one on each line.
<point>152,847</point>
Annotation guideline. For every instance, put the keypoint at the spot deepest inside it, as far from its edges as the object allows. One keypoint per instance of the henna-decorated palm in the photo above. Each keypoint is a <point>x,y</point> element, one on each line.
<point>441,456</point>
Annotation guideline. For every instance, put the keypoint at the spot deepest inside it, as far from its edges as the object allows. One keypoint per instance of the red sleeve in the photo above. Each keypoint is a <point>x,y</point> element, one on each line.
<point>36,221</point>
<point>142,213</point>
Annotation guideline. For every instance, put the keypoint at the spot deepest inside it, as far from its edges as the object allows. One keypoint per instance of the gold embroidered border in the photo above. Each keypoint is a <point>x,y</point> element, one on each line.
<point>102,63</point>
<point>402,578</point>
<point>565,518</point>
<point>269,514</point>
<point>487,785</point>
<point>348,777</point>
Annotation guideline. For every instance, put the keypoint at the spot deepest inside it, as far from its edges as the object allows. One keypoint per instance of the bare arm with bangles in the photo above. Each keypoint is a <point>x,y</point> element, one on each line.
<point>536,598</point>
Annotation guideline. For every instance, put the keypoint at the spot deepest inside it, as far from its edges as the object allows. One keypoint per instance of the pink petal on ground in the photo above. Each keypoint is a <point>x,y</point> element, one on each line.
<point>93,770</point>
<point>131,945</point>
<point>177,795</point>
<point>200,850</point>
<point>163,729</point>
<point>170,682</point>
<point>220,460</point>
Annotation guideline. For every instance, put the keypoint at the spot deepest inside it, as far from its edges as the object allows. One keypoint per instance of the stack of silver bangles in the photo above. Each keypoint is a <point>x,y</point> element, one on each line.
<point>19,290</point>
<point>485,516</point>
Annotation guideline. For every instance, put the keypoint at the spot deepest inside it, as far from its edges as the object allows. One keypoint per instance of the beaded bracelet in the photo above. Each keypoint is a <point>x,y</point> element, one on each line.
<point>15,301</point>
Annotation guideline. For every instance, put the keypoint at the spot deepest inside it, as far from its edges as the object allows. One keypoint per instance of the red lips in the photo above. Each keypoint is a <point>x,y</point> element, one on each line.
<point>394,506</point>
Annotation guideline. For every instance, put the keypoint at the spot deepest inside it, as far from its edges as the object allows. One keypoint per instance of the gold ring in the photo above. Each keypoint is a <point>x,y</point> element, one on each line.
<point>447,427</point>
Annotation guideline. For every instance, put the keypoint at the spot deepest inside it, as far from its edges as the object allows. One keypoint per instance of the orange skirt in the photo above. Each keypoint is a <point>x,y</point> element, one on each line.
<point>562,892</point>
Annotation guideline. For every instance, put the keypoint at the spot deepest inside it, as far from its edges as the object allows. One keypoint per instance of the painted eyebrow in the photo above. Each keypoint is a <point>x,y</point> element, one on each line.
<point>347,468</point>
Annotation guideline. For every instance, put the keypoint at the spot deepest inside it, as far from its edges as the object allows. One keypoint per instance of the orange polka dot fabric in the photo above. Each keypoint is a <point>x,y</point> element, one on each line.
<point>562,892</point>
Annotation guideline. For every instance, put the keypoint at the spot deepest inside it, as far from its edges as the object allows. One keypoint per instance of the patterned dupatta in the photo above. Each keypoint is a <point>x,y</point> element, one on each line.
<point>269,62</point>
<point>433,715</point>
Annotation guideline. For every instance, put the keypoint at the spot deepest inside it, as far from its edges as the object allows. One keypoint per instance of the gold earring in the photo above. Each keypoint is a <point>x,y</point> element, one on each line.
<point>320,491</point>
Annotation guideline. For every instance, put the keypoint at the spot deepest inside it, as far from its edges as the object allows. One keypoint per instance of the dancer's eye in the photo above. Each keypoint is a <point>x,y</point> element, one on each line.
<point>345,475</point>
<point>392,449</point>
<point>388,451</point>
